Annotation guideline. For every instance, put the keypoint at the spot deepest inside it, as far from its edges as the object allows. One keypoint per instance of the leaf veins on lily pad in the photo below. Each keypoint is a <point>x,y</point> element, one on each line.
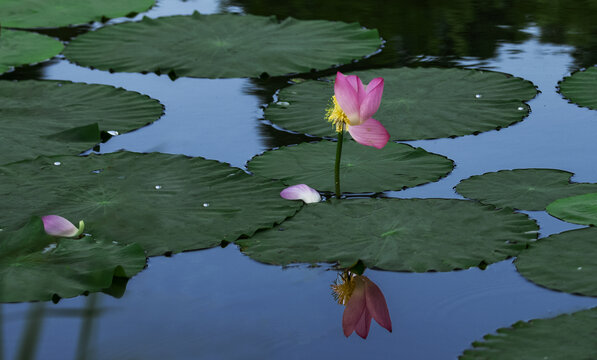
<point>395,234</point>
<point>61,117</point>
<point>23,48</point>
<point>165,203</point>
<point>222,46</point>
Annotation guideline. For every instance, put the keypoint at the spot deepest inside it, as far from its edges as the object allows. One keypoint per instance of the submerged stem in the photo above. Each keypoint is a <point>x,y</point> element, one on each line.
<point>337,167</point>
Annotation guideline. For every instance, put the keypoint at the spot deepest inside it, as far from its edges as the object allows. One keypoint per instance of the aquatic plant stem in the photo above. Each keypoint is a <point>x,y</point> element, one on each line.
<point>337,166</point>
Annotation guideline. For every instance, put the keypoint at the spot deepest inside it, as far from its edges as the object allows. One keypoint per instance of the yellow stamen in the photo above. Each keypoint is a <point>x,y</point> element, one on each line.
<point>336,115</point>
<point>343,287</point>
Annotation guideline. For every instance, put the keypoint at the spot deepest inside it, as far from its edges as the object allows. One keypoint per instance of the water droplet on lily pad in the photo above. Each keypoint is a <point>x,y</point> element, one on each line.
<point>205,204</point>
<point>113,132</point>
<point>579,268</point>
<point>283,103</point>
<point>158,187</point>
<point>520,108</point>
<point>97,171</point>
<point>57,163</point>
<point>49,248</point>
<point>478,96</point>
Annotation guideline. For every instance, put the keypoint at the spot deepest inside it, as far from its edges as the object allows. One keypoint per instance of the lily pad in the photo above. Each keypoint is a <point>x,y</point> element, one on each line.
<point>579,209</point>
<point>568,336</point>
<point>581,88</point>
<point>165,203</point>
<point>57,13</point>
<point>395,234</point>
<point>222,46</point>
<point>564,262</point>
<point>60,117</point>
<point>36,266</point>
<point>420,103</point>
<point>362,168</point>
<point>524,189</point>
<point>22,48</point>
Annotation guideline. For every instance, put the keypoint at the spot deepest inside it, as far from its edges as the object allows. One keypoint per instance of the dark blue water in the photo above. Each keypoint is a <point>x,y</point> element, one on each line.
<point>219,304</point>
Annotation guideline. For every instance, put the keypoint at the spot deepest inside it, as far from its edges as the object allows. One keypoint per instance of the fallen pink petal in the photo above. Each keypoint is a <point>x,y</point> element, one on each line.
<point>301,192</point>
<point>58,226</point>
<point>370,133</point>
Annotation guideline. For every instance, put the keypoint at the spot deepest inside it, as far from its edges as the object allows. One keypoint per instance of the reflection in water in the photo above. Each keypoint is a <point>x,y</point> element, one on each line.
<point>32,331</point>
<point>363,300</point>
<point>441,31</point>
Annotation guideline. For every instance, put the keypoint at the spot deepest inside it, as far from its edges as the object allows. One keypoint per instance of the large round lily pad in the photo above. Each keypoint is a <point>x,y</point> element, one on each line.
<point>568,336</point>
<point>58,13</point>
<point>222,46</point>
<point>60,117</point>
<point>565,262</point>
<point>579,209</point>
<point>395,234</point>
<point>362,168</point>
<point>166,203</point>
<point>23,47</point>
<point>581,88</point>
<point>524,189</point>
<point>420,103</point>
<point>36,266</point>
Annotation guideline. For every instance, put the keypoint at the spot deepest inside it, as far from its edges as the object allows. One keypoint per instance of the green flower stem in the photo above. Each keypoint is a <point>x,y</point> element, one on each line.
<point>337,167</point>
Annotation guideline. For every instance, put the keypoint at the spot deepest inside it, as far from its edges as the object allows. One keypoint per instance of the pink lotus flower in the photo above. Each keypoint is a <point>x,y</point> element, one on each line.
<point>364,301</point>
<point>354,106</point>
<point>301,192</point>
<point>58,226</point>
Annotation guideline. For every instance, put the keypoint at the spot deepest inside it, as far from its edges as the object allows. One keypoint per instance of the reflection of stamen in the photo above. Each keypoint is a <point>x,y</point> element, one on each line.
<point>343,287</point>
<point>336,115</point>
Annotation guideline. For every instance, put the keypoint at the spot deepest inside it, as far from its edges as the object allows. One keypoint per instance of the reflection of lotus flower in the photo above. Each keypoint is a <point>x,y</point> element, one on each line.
<point>301,192</point>
<point>364,301</point>
<point>354,105</point>
<point>58,226</point>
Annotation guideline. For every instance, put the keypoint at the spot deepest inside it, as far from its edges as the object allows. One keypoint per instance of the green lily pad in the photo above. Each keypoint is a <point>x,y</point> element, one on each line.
<point>579,209</point>
<point>565,262</point>
<point>165,203</point>
<point>57,13</point>
<point>395,234</point>
<point>524,189</point>
<point>36,266</point>
<point>362,168</point>
<point>60,117</point>
<point>421,103</point>
<point>568,336</point>
<point>222,46</point>
<point>22,48</point>
<point>581,88</point>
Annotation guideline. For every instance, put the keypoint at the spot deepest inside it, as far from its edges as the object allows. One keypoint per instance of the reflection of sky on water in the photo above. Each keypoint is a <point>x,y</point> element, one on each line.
<point>219,304</point>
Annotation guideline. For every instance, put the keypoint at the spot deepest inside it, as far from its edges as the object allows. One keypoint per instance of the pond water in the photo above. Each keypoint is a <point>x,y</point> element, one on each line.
<point>219,304</point>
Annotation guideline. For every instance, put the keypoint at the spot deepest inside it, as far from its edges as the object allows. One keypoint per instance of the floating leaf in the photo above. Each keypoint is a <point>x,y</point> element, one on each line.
<point>568,336</point>
<point>60,117</point>
<point>166,203</point>
<point>395,234</point>
<point>57,13</point>
<point>581,88</point>
<point>524,189</point>
<point>565,262</point>
<point>22,48</point>
<point>421,103</point>
<point>36,266</point>
<point>362,168</point>
<point>222,46</point>
<point>579,209</point>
